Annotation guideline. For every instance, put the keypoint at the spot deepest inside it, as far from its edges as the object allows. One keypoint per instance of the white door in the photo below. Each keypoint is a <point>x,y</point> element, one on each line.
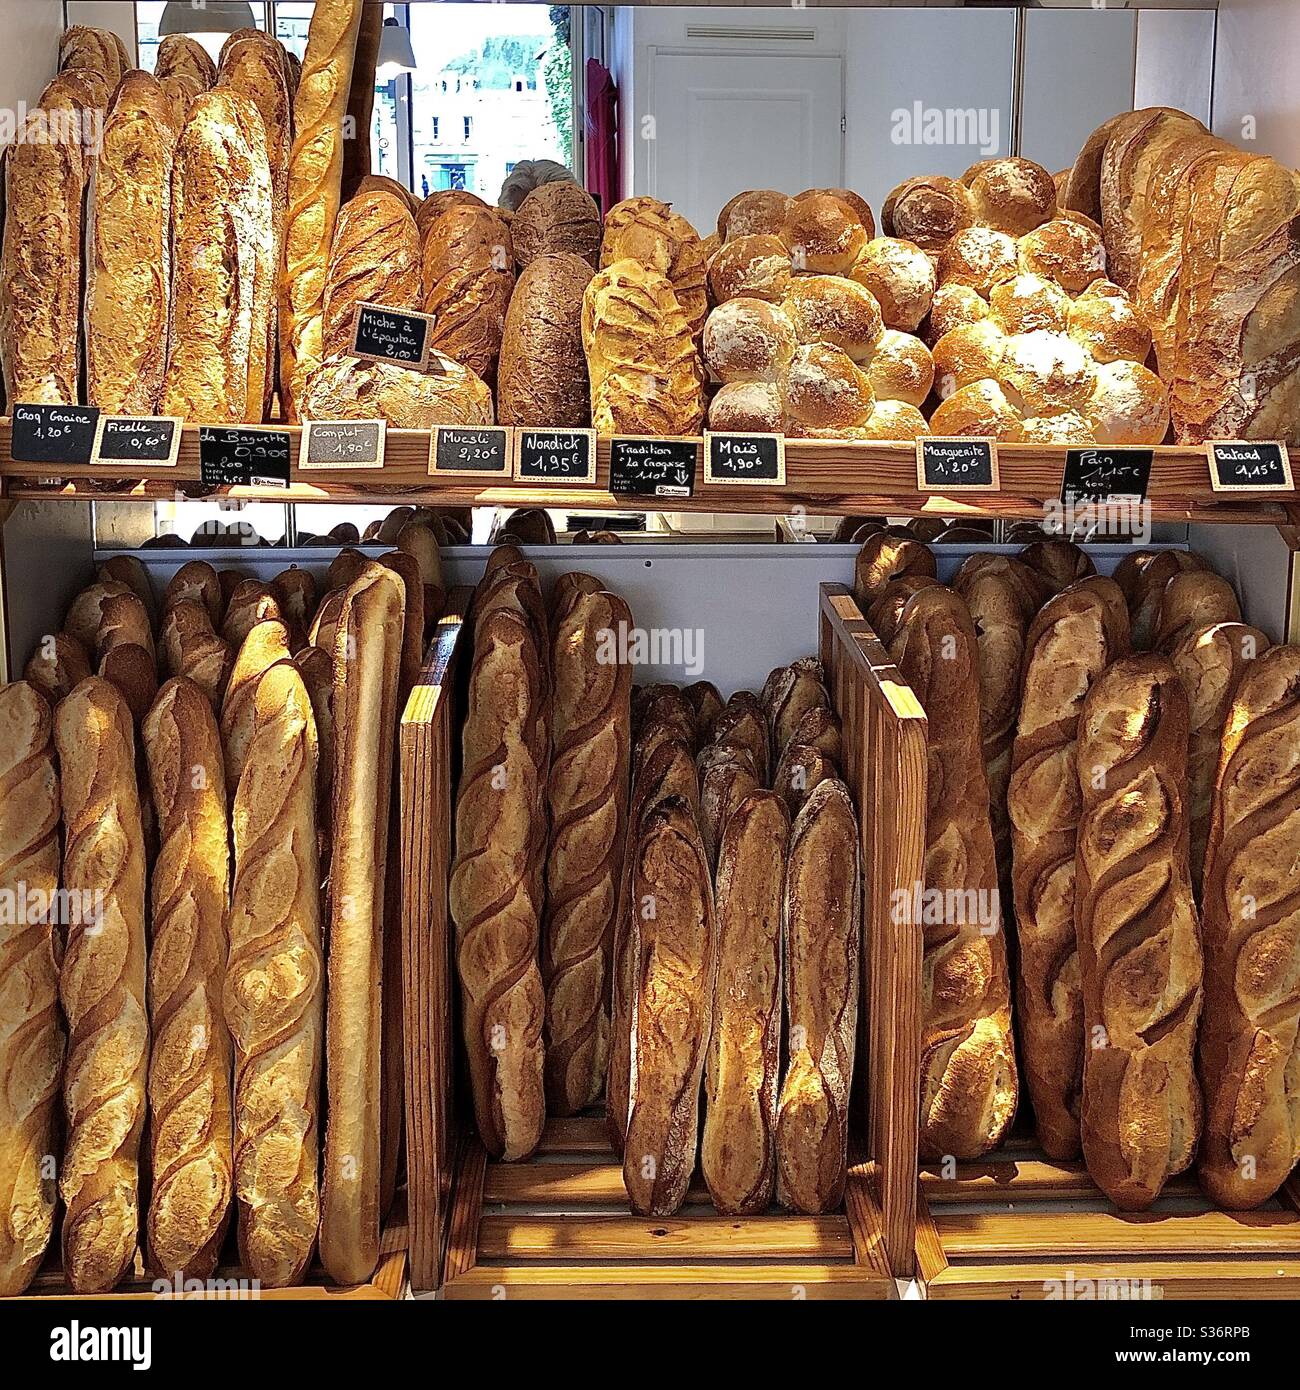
<point>726,122</point>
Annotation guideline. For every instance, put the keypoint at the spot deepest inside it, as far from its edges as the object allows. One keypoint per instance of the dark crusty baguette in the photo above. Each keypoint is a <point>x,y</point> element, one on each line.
<point>1250,1034</point>
<point>822,938</point>
<point>1139,941</point>
<point>1070,643</point>
<point>726,778</point>
<point>738,1147</point>
<point>674,964</point>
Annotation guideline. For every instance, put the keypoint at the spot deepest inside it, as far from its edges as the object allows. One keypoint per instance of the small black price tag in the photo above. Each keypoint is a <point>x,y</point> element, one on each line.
<point>956,465</point>
<point>482,450</point>
<point>1106,471</point>
<point>381,334</point>
<point>649,467</point>
<point>54,433</point>
<point>151,441</point>
<point>756,459</point>
<point>243,456</point>
<point>556,456</point>
<point>342,444</point>
<point>1238,465</point>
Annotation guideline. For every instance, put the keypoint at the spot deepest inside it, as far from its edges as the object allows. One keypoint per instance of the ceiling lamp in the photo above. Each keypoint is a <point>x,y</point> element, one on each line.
<point>209,17</point>
<point>396,55</point>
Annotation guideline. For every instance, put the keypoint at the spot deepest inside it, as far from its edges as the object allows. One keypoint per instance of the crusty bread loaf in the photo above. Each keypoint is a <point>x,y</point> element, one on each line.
<point>100,50</point>
<point>1142,578</point>
<point>223,240</point>
<point>375,259</point>
<point>968,1069</point>
<point>196,581</point>
<point>190,1122</point>
<point>1192,601</point>
<point>467,270</point>
<point>1071,641</point>
<point>800,772</point>
<point>179,53</point>
<point>663,241</point>
<point>706,700</point>
<point>31,1029</point>
<point>674,964</point>
<point>496,880</point>
<point>432,207</point>
<point>344,388</point>
<point>542,378</point>
<point>357,156</point>
<point>315,190</point>
<point>265,646</point>
<point>1139,941</point>
<point>367,664</point>
<point>274,993</point>
<point>738,1145</point>
<point>822,945</point>
<point>252,602</point>
<point>102,987</point>
<point>1061,563</point>
<point>558,218</point>
<point>884,558</point>
<point>743,725</point>
<point>1248,1042</point>
<point>57,666</point>
<point>727,776</point>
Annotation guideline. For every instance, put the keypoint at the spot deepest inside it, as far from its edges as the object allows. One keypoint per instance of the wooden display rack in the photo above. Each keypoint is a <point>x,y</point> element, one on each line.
<point>558,1225</point>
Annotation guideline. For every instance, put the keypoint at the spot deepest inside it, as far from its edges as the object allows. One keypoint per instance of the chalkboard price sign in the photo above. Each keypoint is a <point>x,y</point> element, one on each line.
<point>243,456</point>
<point>956,465</point>
<point>556,456</point>
<point>381,334</point>
<point>1105,472</point>
<point>54,433</point>
<point>756,459</point>
<point>147,440</point>
<point>647,467</point>
<point>1252,465</point>
<point>482,451</point>
<point>342,444</point>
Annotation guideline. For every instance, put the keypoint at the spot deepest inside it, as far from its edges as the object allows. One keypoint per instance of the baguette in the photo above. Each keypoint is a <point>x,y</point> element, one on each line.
<point>588,793</point>
<point>1250,1038</point>
<point>57,666</point>
<point>102,987</point>
<point>1070,643</point>
<point>275,983</point>
<point>707,702</point>
<point>252,603</point>
<point>738,1148</point>
<point>190,1122</point>
<point>968,1068</point>
<point>745,726</point>
<point>31,1029</point>
<point>1139,941</point>
<point>1189,603</point>
<point>265,646</point>
<point>197,582</point>
<point>367,664</point>
<point>800,772</point>
<point>361,100</point>
<point>822,943</point>
<point>796,689</point>
<point>673,952</point>
<point>126,569</point>
<point>727,778</point>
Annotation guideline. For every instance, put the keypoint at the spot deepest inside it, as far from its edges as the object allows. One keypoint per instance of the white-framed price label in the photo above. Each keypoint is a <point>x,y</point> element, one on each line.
<point>756,460</point>
<point>1249,465</point>
<point>333,444</point>
<point>145,441</point>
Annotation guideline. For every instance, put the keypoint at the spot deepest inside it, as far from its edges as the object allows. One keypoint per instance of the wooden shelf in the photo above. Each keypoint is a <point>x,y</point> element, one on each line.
<point>822,478</point>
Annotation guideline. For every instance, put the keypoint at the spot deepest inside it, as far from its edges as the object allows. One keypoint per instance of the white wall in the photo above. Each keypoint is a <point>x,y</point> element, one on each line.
<point>1257,77</point>
<point>29,51</point>
<point>1175,60</point>
<point>117,15</point>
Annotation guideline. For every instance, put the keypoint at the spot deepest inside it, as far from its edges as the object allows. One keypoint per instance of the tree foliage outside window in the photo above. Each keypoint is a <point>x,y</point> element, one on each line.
<point>557,73</point>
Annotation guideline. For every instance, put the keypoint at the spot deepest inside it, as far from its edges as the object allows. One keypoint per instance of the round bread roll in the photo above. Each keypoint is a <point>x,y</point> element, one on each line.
<point>901,369</point>
<point>894,420</point>
<point>953,306</point>
<point>748,340</point>
<point>1128,405</point>
<point>832,309</point>
<point>823,234</point>
<point>1029,304</point>
<point>1067,252</point>
<point>760,211</point>
<point>928,211</point>
<point>1045,373</point>
<point>968,354</point>
<point>824,389</point>
<point>556,218</point>
<point>857,204</point>
<point>1069,427</point>
<point>902,278</point>
<point>1104,321</point>
<point>1011,195</point>
<point>757,266</point>
<point>980,257</point>
<point>981,409</point>
<point>749,407</point>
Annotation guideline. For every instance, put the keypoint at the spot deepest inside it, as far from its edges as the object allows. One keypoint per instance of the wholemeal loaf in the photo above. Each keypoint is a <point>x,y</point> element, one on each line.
<point>542,377</point>
<point>468,278</point>
<point>344,388</point>
<point>558,218</point>
<point>100,50</point>
<point>179,53</point>
<point>375,258</point>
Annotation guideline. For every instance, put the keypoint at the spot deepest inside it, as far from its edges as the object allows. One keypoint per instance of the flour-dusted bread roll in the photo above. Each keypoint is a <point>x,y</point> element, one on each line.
<point>757,267</point>
<point>893,420</point>
<point>757,212</point>
<point>128,260</point>
<point>1104,320</point>
<point>31,1028</point>
<point>748,407</point>
<point>468,276</point>
<point>900,369</point>
<point>558,218</point>
<point>824,393</point>
<point>1138,934</point>
<point>646,376</point>
<point>836,311</point>
<point>102,987</point>
<point>900,276</point>
<point>375,259</point>
<point>542,377</point>
<point>929,211</point>
<point>748,340</point>
<point>223,247</point>
<point>824,232</point>
<point>1045,373</point>
<point>344,388</point>
<point>1069,427</point>
<point>1011,195</point>
<point>1129,405</point>
<point>980,258</point>
<point>179,53</point>
<point>954,305</point>
<point>663,241</point>
<point>1029,304</point>
<point>979,409</point>
<point>1067,253</point>
<point>968,354</point>
<point>315,189</point>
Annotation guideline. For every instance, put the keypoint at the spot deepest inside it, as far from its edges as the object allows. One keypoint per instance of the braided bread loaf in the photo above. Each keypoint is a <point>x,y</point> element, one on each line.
<point>102,987</point>
<point>274,983</point>
<point>31,1032</point>
<point>1139,942</point>
<point>190,1121</point>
